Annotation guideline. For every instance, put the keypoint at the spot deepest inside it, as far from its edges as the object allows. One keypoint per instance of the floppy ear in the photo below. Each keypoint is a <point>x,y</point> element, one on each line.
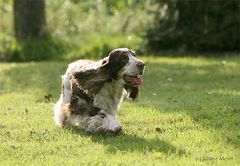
<point>134,91</point>
<point>92,80</point>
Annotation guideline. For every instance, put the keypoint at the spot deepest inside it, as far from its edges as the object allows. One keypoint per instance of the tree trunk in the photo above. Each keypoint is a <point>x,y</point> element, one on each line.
<point>29,19</point>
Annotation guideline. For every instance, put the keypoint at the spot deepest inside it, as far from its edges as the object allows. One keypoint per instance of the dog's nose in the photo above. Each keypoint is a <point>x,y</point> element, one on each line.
<point>140,65</point>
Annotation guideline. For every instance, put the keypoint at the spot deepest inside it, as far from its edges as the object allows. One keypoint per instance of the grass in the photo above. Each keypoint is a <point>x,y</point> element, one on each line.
<point>188,114</point>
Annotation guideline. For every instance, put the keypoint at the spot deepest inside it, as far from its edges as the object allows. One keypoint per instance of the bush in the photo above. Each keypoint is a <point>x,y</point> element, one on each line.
<point>101,46</point>
<point>196,26</point>
<point>95,46</point>
<point>35,50</point>
<point>78,29</point>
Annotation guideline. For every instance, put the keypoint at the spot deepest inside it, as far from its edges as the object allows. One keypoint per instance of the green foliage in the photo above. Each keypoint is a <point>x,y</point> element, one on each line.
<point>47,49</point>
<point>84,29</point>
<point>101,46</point>
<point>37,50</point>
<point>185,115</point>
<point>79,29</point>
<point>196,26</point>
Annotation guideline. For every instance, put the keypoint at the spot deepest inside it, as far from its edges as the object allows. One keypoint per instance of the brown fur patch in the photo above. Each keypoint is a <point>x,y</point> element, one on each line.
<point>94,111</point>
<point>91,81</point>
<point>117,60</point>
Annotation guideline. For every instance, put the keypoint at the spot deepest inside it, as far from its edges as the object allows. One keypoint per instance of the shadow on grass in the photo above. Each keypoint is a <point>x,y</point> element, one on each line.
<point>129,143</point>
<point>43,77</point>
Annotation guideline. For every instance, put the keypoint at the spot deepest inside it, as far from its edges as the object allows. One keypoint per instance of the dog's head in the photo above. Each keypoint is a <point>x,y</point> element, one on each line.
<point>122,64</point>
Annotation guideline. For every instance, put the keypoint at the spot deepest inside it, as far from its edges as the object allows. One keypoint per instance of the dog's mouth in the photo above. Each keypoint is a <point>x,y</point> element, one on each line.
<point>133,80</point>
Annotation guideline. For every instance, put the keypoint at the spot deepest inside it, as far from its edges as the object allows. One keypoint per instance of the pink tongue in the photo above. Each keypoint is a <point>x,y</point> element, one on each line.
<point>136,80</point>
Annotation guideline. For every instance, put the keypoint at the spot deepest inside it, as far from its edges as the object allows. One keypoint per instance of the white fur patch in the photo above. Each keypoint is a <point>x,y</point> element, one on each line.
<point>110,97</point>
<point>101,122</point>
<point>131,67</point>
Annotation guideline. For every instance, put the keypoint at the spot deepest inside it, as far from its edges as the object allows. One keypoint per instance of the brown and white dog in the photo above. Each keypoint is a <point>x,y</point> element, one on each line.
<point>92,92</point>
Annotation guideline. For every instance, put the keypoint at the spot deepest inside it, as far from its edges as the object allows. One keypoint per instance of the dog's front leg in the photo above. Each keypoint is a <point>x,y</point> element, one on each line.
<point>102,121</point>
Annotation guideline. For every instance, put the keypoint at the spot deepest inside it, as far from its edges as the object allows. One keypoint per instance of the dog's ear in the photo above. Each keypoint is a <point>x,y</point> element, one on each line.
<point>133,91</point>
<point>92,80</point>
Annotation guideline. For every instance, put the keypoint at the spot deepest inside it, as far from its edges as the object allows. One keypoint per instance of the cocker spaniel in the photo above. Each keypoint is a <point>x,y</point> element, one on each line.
<point>92,92</point>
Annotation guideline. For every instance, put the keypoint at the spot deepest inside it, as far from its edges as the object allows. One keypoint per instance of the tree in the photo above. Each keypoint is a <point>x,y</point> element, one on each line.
<point>196,26</point>
<point>29,19</point>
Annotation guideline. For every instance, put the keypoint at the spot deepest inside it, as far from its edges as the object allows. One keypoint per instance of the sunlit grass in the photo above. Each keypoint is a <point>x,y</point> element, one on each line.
<point>188,113</point>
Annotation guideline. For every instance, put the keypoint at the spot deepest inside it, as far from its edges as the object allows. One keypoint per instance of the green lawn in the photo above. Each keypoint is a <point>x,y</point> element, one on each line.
<point>188,113</point>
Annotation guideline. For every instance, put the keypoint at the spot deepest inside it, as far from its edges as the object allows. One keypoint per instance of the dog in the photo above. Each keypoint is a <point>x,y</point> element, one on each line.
<point>92,92</point>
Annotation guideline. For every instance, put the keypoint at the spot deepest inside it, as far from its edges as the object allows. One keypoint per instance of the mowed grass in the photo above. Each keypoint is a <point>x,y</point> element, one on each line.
<point>188,113</point>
